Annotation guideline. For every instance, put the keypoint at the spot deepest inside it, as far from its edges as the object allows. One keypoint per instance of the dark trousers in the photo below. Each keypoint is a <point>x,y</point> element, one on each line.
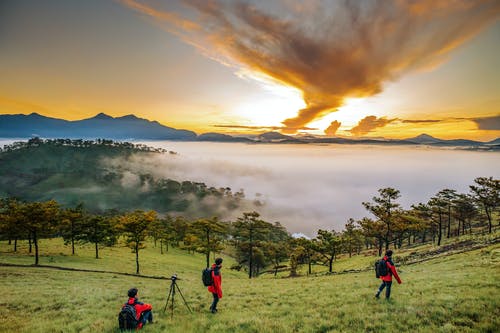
<point>387,285</point>
<point>147,316</point>
<point>214,303</point>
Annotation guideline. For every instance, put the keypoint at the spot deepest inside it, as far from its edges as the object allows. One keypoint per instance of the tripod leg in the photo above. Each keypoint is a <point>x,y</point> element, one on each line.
<point>168,297</point>
<point>183,298</point>
<point>173,297</point>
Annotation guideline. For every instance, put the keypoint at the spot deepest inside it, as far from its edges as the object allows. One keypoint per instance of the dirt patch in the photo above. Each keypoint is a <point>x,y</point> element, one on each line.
<point>83,270</point>
<point>10,274</point>
<point>449,249</point>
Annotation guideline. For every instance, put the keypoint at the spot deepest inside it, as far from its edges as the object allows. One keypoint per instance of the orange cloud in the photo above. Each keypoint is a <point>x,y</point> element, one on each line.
<point>171,17</point>
<point>332,129</point>
<point>329,50</point>
<point>370,123</point>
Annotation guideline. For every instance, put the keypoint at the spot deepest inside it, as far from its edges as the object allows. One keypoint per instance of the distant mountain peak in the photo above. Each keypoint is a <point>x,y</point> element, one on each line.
<point>274,136</point>
<point>102,116</point>
<point>424,138</point>
<point>129,117</point>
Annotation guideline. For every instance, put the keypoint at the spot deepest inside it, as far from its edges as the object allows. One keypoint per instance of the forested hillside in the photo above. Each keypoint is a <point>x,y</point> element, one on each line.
<point>74,171</point>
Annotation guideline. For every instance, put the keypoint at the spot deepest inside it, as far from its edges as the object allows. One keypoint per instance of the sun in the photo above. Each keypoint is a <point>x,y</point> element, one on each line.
<point>349,114</point>
<point>270,108</point>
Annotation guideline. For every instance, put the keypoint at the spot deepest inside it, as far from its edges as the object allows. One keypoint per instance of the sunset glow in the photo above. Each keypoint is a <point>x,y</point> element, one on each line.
<point>278,103</point>
<point>248,66</point>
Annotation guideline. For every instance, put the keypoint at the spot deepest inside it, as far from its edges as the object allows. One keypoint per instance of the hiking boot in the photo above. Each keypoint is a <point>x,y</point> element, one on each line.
<point>213,310</point>
<point>377,295</point>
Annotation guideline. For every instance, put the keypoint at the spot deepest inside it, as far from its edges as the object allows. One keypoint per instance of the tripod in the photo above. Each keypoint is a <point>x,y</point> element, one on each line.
<point>171,292</point>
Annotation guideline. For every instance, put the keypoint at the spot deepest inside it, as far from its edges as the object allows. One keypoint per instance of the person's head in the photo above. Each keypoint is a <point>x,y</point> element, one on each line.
<point>218,261</point>
<point>132,292</point>
<point>388,253</point>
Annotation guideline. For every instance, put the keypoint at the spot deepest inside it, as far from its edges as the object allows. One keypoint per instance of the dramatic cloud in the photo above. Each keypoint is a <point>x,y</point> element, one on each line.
<point>488,123</point>
<point>328,49</point>
<point>332,129</point>
<point>370,123</point>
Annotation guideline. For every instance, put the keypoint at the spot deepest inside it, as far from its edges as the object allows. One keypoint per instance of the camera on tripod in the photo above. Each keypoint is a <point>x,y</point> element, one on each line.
<point>171,295</point>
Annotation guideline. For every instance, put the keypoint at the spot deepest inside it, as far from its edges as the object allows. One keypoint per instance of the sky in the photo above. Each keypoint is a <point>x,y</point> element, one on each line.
<point>377,68</point>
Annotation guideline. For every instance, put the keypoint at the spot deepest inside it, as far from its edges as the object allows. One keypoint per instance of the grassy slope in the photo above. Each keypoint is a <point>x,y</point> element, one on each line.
<point>457,293</point>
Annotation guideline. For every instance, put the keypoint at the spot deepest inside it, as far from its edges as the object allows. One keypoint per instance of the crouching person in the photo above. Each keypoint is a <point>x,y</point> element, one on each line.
<point>135,314</point>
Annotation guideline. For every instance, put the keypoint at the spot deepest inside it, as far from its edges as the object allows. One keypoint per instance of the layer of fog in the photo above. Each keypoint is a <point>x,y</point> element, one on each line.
<point>308,187</point>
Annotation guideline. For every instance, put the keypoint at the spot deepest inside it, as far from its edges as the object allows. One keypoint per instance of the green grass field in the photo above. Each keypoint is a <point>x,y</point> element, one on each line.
<point>451,293</point>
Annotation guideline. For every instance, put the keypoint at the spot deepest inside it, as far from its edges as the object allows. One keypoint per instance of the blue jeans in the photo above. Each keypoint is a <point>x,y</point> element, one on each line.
<point>213,307</point>
<point>147,316</point>
<point>387,285</point>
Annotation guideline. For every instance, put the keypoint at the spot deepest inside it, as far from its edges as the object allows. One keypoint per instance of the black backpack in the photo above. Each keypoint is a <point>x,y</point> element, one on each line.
<point>381,268</point>
<point>127,319</point>
<point>206,277</point>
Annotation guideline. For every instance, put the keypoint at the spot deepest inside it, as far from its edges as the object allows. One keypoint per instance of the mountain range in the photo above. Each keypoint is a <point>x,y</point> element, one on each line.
<point>100,126</point>
<point>131,127</point>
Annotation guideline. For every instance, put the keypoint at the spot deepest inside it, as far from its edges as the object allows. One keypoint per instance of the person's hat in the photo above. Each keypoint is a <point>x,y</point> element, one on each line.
<point>388,253</point>
<point>218,261</point>
<point>132,292</point>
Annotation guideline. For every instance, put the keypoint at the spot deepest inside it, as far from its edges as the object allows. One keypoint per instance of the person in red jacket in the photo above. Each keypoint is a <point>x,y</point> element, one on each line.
<point>387,279</point>
<point>143,311</point>
<point>216,287</point>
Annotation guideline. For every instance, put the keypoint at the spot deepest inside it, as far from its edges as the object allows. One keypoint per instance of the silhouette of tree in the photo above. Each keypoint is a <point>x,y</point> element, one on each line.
<point>248,231</point>
<point>98,230</point>
<point>383,209</point>
<point>71,224</point>
<point>464,210</point>
<point>328,245</point>
<point>209,236</point>
<point>40,219</point>
<point>135,227</point>
<point>438,207</point>
<point>486,192</point>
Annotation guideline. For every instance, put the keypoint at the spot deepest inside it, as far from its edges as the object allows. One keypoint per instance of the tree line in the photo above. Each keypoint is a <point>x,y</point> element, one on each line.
<point>257,245</point>
<point>81,143</point>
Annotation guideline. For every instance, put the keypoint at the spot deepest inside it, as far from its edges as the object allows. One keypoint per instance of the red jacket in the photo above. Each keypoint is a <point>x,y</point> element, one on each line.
<point>216,288</point>
<point>139,308</point>
<point>392,271</point>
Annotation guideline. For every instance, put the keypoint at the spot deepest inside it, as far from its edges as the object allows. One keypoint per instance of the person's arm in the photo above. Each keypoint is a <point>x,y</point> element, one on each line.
<point>394,272</point>
<point>217,283</point>
<point>145,306</point>
<point>141,307</point>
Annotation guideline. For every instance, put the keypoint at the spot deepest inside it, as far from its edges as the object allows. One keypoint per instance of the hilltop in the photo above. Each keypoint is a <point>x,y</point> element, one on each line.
<point>104,175</point>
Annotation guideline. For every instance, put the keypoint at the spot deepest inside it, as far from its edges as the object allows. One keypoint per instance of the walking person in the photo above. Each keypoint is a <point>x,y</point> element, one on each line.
<point>387,279</point>
<point>216,287</point>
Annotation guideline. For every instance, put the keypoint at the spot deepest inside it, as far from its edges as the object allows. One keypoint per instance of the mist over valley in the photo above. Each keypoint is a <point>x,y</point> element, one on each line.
<point>322,186</point>
<point>304,187</point>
